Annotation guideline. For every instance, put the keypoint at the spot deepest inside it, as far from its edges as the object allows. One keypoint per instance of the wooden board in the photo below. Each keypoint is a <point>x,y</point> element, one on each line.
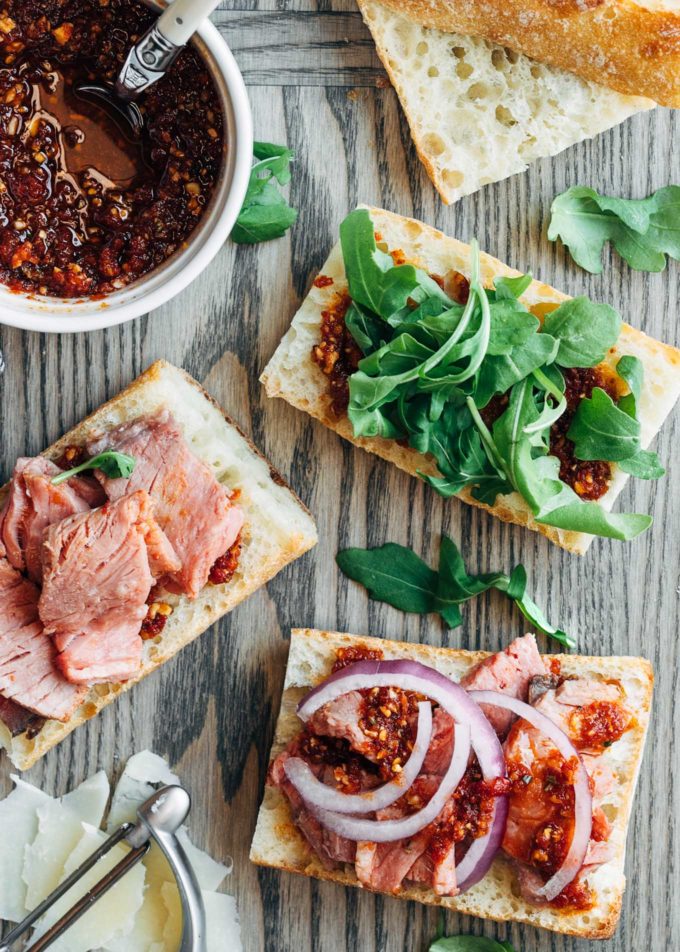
<point>314,84</point>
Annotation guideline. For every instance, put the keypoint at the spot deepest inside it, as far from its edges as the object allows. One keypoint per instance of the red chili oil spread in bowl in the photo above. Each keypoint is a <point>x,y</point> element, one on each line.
<point>83,210</point>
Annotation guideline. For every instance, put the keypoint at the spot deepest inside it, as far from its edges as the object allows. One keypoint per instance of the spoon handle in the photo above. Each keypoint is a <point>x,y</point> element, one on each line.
<point>180,20</point>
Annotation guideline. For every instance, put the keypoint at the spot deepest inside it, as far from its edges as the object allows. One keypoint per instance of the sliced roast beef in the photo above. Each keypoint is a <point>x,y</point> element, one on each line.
<point>341,718</point>
<point>98,570</point>
<point>192,508</point>
<point>508,672</point>
<point>328,846</point>
<point>34,503</point>
<point>28,673</point>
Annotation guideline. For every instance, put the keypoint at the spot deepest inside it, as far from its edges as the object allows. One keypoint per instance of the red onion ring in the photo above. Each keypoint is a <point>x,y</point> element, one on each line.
<point>583,801</point>
<point>452,698</point>
<point>387,831</point>
<point>320,795</point>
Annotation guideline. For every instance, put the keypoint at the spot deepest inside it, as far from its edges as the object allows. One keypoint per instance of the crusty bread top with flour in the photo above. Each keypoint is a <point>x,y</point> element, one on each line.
<point>632,47</point>
<point>277,527</point>
<point>478,112</point>
<point>278,843</point>
<point>293,375</point>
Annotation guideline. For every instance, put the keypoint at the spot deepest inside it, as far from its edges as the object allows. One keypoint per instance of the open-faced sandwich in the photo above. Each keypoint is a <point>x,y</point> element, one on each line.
<point>489,385</point>
<point>124,541</point>
<point>497,785</point>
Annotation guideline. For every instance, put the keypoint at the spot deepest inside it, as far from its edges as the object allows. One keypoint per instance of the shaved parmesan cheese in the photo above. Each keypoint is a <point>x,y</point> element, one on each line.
<point>224,930</point>
<point>60,829</point>
<point>43,840</point>
<point>113,916</point>
<point>147,932</point>
<point>172,933</point>
<point>19,825</point>
<point>209,872</point>
<point>142,773</point>
<point>88,801</point>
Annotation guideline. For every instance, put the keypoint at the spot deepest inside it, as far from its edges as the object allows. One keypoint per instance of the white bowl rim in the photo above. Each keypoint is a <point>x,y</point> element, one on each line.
<point>60,315</point>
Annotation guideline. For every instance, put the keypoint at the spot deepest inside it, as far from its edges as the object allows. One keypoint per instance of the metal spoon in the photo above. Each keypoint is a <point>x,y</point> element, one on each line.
<point>147,62</point>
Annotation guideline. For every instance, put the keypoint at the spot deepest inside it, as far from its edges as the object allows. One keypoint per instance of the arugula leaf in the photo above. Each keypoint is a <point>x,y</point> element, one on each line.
<point>113,464</point>
<point>498,374</point>
<point>593,519</point>
<point>468,943</point>
<point>511,288</point>
<point>645,465</point>
<point>265,213</point>
<point>600,430</point>
<point>373,278</point>
<point>643,231</point>
<point>395,574</point>
<point>631,370</point>
<point>585,331</point>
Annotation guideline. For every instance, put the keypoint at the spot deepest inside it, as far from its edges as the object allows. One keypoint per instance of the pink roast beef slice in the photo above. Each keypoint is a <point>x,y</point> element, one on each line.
<point>28,673</point>
<point>508,672</point>
<point>99,568</point>
<point>192,508</point>
<point>34,504</point>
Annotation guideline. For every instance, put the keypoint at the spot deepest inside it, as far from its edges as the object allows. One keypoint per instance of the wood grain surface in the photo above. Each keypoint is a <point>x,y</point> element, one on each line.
<point>313,78</point>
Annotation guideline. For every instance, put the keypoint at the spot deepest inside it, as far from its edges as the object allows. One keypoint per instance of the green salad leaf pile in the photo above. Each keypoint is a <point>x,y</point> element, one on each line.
<point>431,366</point>
<point>395,574</point>
<point>643,231</point>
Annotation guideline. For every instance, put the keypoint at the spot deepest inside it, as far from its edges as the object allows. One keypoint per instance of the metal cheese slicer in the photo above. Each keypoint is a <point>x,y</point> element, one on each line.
<point>158,818</point>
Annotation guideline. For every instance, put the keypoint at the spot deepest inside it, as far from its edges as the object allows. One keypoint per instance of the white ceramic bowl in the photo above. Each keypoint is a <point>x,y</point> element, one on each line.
<point>60,315</point>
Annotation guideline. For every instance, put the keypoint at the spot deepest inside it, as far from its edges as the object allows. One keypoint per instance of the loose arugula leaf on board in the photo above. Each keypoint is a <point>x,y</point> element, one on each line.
<point>395,574</point>
<point>113,464</point>
<point>643,231</point>
<point>585,331</point>
<point>601,430</point>
<point>265,213</point>
<point>469,943</point>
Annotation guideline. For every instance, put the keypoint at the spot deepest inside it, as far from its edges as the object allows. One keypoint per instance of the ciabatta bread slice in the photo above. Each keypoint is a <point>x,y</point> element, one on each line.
<point>632,46</point>
<point>277,528</point>
<point>278,843</point>
<point>292,374</point>
<point>479,113</point>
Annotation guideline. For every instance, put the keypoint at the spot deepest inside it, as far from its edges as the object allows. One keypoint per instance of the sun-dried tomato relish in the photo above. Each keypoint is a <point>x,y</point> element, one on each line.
<point>322,281</point>
<point>354,653</point>
<point>598,724</point>
<point>82,211</point>
<point>588,478</point>
<point>337,354</point>
<point>575,897</point>
<point>225,566</point>
<point>387,720</point>
<point>156,617</point>
<point>473,803</point>
<point>72,456</point>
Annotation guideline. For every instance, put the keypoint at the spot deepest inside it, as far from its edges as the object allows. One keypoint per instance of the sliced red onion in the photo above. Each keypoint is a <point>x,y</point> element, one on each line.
<point>451,697</point>
<point>318,794</point>
<point>387,831</point>
<point>583,801</point>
